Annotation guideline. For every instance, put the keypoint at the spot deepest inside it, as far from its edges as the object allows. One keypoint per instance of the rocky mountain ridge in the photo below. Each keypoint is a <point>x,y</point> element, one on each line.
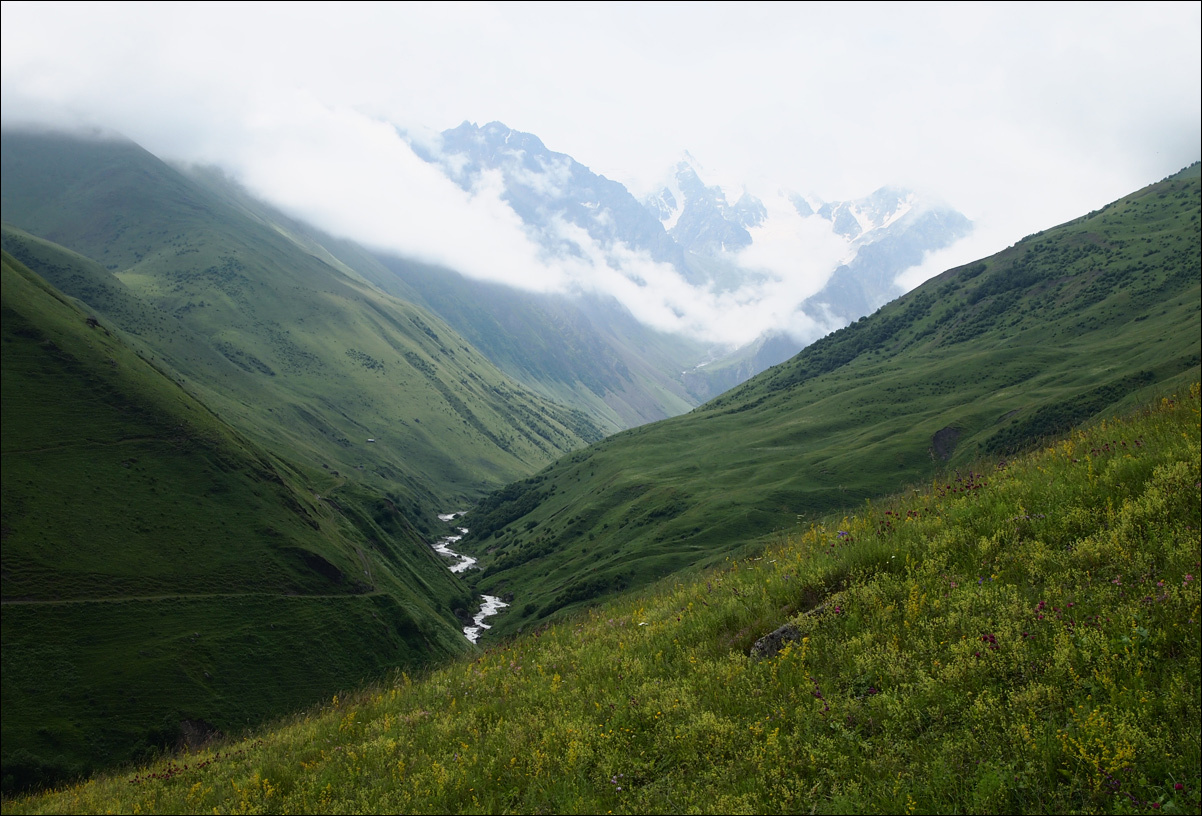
<point>703,232</point>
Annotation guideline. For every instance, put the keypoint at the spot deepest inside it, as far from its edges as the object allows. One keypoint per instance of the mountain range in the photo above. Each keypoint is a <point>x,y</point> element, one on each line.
<point>689,225</point>
<point>228,435</point>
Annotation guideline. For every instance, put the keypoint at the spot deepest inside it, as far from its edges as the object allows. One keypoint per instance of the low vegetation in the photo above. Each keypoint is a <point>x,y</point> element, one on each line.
<point>1015,636</point>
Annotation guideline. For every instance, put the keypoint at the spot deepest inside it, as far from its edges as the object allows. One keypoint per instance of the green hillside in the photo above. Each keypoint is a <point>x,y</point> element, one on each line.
<point>325,360</point>
<point>1017,639</point>
<point>583,353</point>
<point>587,353</point>
<point>983,360</point>
<point>164,576</point>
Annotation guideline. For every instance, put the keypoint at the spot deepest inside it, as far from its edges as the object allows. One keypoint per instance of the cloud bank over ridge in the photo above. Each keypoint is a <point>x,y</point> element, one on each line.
<point>1020,116</point>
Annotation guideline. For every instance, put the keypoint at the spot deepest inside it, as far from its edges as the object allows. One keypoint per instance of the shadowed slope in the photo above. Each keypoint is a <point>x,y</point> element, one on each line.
<point>160,569</point>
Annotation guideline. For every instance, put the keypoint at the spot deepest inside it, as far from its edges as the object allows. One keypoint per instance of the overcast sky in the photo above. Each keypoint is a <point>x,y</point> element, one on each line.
<point>1021,116</point>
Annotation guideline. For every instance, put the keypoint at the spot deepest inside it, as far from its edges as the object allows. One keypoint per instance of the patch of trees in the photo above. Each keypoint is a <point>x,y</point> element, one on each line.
<point>506,505</point>
<point>364,359</point>
<point>586,589</point>
<point>1056,419</point>
<point>526,551</point>
<point>421,365</point>
<point>866,334</point>
<point>664,512</point>
<point>243,359</point>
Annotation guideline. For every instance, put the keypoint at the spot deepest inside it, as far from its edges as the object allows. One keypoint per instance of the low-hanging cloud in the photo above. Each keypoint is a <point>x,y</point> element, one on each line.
<point>356,177</point>
<point>1066,115</point>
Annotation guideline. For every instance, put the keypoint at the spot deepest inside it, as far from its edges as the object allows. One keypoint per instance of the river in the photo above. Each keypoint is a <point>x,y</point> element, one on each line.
<point>491,604</point>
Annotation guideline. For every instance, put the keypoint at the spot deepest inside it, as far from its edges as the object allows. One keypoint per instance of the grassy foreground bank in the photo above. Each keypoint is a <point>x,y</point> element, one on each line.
<point>1022,637</point>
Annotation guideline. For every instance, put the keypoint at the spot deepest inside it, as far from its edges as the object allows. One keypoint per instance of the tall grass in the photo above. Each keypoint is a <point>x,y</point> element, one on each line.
<point>1019,637</point>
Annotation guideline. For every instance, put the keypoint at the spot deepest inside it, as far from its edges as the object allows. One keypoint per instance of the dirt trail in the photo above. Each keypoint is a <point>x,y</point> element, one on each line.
<point>184,596</point>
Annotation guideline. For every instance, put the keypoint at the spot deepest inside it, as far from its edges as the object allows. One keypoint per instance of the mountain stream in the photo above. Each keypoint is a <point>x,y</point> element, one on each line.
<point>492,604</point>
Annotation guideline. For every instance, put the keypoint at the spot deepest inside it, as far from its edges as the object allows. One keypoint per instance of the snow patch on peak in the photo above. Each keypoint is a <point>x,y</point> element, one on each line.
<point>668,203</point>
<point>904,208</point>
<point>863,218</point>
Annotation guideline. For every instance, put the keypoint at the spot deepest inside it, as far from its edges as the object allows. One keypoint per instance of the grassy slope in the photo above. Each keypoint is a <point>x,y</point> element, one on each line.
<point>578,353</point>
<point>155,333</point>
<point>1066,324</point>
<point>1018,640</point>
<point>327,361</point>
<point>160,567</point>
<point>604,362</point>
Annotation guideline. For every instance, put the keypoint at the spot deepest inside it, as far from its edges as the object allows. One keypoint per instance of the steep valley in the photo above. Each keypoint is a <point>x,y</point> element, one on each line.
<point>224,457</point>
<point>163,573</point>
<point>228,438</point>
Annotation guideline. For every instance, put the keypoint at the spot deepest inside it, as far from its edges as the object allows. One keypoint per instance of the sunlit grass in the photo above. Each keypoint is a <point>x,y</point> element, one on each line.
<point>1019,638</point>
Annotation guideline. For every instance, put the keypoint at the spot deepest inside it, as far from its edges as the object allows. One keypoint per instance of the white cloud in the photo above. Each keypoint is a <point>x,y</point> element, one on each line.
<point>551,179</point>
<point>1020,115</point>
<point>801,253</point>
<point>357,177</point>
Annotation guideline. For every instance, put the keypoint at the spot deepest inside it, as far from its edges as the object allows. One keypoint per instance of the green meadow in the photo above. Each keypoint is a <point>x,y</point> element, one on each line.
<point>1022,636</point>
